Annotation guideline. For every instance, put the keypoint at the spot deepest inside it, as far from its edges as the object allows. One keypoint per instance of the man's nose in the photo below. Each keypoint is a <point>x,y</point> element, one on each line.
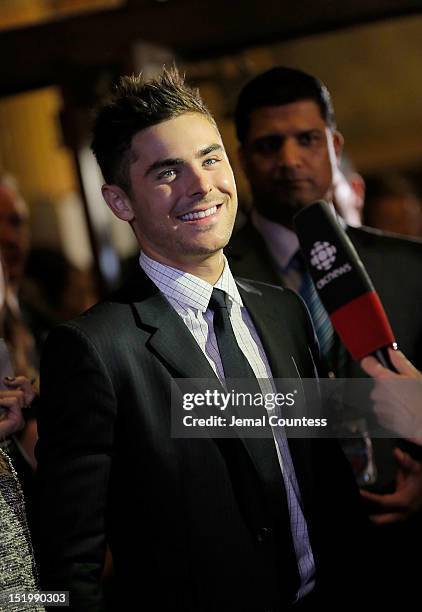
<point>199,183</point>
<point>289,154</point>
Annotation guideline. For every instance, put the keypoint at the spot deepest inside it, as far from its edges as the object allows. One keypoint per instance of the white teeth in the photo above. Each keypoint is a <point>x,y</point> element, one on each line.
<point>199,215</point>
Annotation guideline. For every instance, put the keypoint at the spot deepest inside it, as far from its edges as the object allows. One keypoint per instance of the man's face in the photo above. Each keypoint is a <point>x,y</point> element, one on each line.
<point>14,233</point>
<point>183,196</point>
<point>288,156</point>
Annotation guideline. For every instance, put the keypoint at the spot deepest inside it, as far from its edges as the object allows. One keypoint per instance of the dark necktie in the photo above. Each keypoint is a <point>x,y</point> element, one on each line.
<point>234,362</point>
<point>236,365</point>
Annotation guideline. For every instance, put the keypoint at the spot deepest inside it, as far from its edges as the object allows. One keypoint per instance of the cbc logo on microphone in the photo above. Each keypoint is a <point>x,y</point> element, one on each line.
<point>323,255</point>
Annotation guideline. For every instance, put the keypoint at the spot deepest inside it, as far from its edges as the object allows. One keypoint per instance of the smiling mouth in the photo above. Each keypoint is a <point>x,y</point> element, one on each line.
<point>200,214</point>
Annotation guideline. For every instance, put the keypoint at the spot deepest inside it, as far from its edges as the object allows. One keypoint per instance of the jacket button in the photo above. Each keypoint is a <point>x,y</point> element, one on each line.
<point>262,535</point>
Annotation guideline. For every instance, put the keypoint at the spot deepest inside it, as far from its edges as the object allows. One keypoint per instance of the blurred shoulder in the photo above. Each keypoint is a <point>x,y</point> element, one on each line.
<point>370,237</point>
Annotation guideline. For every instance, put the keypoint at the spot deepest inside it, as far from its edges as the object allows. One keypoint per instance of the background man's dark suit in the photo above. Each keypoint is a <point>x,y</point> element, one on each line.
<point>194,525</point>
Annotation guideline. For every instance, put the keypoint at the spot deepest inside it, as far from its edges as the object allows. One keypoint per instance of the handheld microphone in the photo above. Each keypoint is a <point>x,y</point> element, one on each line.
<point>343,284</point>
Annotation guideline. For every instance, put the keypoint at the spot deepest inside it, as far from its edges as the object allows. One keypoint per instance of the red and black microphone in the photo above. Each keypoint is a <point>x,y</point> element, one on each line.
<point>343,284</point>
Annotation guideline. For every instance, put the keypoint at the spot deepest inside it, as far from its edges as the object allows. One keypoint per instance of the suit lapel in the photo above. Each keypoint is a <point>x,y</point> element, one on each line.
<point>266,320</point>
<point>172,340</point>
<point>169,338</point>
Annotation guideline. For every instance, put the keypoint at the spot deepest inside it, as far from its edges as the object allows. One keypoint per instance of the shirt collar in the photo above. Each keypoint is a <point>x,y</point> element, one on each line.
<point>281,241</point>
<point>186,288</point>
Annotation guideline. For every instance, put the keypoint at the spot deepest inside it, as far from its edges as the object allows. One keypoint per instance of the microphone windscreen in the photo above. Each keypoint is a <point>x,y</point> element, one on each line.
<point>342,283</point>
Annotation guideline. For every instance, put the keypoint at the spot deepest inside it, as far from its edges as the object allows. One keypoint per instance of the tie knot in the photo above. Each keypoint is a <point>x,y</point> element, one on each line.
<point>217,300</point>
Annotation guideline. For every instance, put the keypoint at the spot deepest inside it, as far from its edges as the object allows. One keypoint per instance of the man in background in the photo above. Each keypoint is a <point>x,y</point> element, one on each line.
<point>289,148</point>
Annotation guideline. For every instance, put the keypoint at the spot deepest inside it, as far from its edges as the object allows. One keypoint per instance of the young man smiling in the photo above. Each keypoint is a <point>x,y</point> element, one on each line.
<point>182,208</point>
<point>193,525</point>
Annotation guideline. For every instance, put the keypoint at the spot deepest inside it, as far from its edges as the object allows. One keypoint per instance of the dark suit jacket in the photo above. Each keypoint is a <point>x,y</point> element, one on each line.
<point>194,525</point>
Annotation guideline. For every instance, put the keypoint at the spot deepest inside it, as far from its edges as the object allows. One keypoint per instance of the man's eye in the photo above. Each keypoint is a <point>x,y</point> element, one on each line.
<point>308,138</point>
<point>167,174</point>
<point>211,161</point>
<point>268,145</point>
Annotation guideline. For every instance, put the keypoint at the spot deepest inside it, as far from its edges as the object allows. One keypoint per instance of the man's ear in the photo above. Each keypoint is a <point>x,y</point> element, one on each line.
<point>118,202</point>
<point>357,183</point>
<point>338,141</point>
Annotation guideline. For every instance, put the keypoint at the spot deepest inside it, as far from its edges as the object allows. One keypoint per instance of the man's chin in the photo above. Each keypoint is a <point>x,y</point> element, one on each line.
<point>203,249</point>
<point>282,210</point>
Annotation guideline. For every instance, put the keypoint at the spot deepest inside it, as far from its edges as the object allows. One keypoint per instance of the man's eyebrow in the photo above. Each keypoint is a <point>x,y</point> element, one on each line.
<point>309,130</point>
<point>177,161</point>
<point>164,163</point>
<point>210,149</point>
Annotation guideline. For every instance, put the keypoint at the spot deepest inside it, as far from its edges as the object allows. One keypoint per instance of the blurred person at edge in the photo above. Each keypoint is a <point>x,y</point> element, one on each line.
<point>389,203</point>
<point>54,290</point>
<point>348,192</point>
<point>14,243</point>
<point>17,567</point>
<point>393,204</point>
<point>14,231</point>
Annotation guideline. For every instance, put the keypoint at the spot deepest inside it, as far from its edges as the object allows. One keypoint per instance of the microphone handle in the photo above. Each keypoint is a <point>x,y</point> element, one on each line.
<point>383,356</point>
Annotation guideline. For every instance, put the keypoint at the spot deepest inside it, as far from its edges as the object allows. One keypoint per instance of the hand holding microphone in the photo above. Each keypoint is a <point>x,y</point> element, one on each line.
<point>397,396</point>
<point>398,405</point>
